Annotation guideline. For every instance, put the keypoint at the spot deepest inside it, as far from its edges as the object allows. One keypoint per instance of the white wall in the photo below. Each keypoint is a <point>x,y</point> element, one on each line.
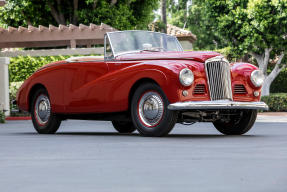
<point>4,85</point>
<point>186,45</point>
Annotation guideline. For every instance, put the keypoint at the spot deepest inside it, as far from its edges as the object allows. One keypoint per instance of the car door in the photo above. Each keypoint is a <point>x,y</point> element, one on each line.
<point>82,92</point>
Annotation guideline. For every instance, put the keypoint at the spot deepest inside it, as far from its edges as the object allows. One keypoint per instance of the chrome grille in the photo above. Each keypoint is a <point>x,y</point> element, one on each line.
<point>239,89</point>
<point>219,80</point>
<point>199,89</point>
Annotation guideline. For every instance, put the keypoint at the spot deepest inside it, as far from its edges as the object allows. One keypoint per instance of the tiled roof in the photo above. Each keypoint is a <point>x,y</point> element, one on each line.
<point>179,32</point>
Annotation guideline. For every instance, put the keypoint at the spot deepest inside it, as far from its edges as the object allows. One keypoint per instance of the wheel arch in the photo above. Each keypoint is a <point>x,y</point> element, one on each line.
<point>137,84</point>
<point>32,91</point>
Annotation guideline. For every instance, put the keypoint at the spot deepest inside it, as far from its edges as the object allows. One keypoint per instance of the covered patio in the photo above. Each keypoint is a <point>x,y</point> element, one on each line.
<point>64,40</point>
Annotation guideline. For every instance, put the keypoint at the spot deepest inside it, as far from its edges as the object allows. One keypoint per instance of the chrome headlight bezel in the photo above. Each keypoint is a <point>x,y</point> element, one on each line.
<point>186,77</point>
<point>257,78</point>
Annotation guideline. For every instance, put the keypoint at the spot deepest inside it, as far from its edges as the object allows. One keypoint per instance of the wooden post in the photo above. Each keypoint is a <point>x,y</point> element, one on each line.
<point>4,85</point>
<point>73,44</point>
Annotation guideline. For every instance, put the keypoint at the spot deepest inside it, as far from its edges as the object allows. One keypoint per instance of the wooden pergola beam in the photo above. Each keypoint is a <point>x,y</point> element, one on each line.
<point>53,36</point>
<point>64,43</point>
<point>53,52</point>
<point>2,3</point>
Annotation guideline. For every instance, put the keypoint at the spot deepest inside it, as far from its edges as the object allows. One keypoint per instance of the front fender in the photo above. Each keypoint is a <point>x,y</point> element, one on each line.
<point>240,74</point>
<point>117,85</point>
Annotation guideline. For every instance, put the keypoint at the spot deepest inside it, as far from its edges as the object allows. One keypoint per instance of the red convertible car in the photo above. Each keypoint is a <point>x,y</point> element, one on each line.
<point>145,82</point>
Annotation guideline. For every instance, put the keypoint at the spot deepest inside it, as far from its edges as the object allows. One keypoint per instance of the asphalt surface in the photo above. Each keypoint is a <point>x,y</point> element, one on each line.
<point>91,156</point>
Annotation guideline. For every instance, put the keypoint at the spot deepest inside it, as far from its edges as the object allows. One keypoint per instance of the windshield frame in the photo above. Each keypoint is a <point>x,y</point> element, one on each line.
<point>107,38</point>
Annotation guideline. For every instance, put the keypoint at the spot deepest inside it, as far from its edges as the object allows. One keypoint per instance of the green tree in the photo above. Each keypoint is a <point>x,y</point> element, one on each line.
<point>192,15</point>
<point>178,11</point>
<point>254,27</point>
<point>121,14</point>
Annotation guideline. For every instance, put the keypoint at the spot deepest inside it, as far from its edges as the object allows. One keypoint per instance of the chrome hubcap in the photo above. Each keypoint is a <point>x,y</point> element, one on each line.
<point>151,108</point>
<point>42,109</point>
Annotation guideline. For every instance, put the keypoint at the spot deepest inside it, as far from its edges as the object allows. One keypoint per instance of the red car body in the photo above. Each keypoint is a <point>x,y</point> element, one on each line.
<point>91,85</point>
<point>145,82</point>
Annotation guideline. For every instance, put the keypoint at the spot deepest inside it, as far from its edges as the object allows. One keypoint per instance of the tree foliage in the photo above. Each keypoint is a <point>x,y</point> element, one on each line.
<point>250,25</point>
<point>255,27</point>
<point>193,16</point>
<point>120,14</point>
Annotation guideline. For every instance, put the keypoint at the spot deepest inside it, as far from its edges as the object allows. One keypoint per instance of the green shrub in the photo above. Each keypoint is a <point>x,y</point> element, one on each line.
<point>14,110</point>
<point>2,117</point>
<point>228,53</point>
<point>279,85</point>
<point>22,67</point>
<point>277,102</point>
<point>13,88</point>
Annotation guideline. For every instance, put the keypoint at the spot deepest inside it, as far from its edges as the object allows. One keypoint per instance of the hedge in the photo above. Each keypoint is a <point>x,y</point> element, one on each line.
<point>2,117</point>
<point>279,85</point>
<point>22,67</point>
<point>277,102</point>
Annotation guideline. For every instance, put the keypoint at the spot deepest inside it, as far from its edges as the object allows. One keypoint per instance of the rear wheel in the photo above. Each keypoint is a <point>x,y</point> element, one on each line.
<point>124,126</point>
<point>44,121</point>
<point>149,111</point>
<point>237,124</point>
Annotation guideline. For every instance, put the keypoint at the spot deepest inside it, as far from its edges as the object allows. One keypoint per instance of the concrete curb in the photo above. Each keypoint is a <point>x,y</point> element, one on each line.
<point>17,118</point>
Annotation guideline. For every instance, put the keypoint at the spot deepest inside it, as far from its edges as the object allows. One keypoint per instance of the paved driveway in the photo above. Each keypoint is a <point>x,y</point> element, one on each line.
<point>91,156</point>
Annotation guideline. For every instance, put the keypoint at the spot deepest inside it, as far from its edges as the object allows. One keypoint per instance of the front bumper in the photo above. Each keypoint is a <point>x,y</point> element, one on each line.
<point>218,104</point>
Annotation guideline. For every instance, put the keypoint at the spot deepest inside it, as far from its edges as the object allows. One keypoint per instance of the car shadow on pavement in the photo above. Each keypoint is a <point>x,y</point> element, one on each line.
<point>196,135</point>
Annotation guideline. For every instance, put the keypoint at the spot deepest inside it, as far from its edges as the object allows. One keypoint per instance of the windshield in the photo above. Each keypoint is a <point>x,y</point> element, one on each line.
<point>135,41</point>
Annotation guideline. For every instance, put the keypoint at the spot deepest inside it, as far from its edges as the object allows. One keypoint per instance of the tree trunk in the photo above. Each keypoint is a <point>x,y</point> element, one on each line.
<point>263,61</point>
<point>75,14</point>
<point>56,13</point>
<point>163,15</point>
<point>265,91</point>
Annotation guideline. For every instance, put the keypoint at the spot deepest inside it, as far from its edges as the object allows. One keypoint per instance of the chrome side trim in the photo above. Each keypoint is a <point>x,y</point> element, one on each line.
<point>218,104</point>
<point>90,58</point>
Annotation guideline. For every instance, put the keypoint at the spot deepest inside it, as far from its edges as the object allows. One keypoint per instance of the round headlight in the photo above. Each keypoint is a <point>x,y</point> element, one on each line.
<point>257,78</point>
<point>186,77</point>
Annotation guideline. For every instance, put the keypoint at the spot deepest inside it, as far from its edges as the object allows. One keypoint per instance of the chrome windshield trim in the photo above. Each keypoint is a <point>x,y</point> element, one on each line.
<point>135,51</point>
<point>218,104</point>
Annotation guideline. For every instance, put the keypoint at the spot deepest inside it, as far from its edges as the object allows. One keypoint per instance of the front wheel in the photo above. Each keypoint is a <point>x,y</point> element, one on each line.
<point>44,121</point>
<point>149,111</point>
<point>124,126</point>
<point>240,122</point>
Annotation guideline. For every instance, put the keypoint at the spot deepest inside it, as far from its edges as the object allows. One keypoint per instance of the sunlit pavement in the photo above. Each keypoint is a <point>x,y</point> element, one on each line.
<point>91,156</point>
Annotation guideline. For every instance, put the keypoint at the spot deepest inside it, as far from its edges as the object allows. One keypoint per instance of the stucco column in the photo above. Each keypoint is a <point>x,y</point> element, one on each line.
<point>4,85</point>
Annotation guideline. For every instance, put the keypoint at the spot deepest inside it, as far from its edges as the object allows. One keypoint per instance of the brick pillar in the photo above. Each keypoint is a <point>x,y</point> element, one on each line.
<point>4,85</point>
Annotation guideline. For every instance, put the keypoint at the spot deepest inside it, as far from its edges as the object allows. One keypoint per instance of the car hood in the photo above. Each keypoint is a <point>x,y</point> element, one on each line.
<point>200,56</point>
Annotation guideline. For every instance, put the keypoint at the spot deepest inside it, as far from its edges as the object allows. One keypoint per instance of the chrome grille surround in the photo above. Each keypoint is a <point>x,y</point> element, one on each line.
<point>217,71</point>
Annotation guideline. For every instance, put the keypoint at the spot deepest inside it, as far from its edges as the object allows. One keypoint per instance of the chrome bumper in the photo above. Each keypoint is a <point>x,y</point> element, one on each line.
<point>218,104</point>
